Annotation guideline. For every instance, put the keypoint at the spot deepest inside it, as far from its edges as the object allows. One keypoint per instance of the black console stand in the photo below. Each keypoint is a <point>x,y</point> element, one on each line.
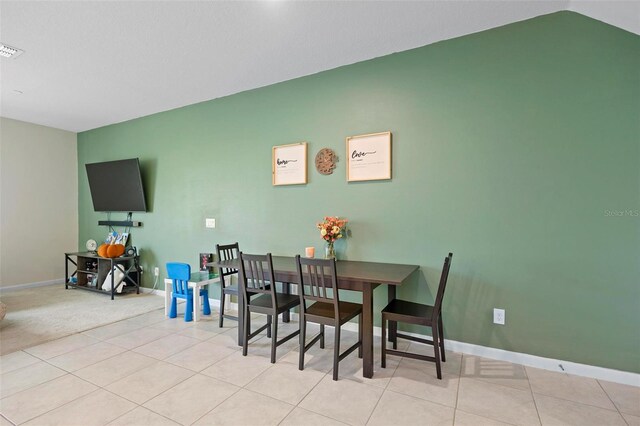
<point>89,265</point>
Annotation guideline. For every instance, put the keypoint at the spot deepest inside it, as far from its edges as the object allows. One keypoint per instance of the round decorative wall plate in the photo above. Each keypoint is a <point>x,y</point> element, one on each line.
<point>326,160</point>
<point>91,245</point>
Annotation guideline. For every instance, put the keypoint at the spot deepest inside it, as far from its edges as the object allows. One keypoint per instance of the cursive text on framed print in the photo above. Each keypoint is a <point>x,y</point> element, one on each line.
<point>369,157</point>
<point>289,164</point>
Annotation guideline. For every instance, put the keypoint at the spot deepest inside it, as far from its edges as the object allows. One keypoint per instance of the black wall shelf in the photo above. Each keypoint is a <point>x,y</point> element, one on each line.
<point>129,223</point>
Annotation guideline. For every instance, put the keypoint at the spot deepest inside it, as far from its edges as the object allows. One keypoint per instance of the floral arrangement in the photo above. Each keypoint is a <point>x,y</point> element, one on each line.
<point>332,228</point>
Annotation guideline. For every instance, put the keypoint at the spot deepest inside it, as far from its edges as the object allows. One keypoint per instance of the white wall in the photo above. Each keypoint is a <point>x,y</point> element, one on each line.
<point>38,202</point>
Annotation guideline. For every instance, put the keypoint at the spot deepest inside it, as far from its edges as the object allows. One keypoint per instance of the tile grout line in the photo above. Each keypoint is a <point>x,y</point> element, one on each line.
<point>612,401</point>
<point>10,422</point>
<point>625,420</point>
<point>65,404</point>
<point>280,422</point>
<point>134,408</point>
<point>198,419</point>
<point>302,399</point>
<point>170,355</point>
<point>136,405</point>
<point>384,389</point>
<point>375,406</point>
<point>576,402</point>
<point>30,365</point>
<point>32,387</point>
<point>533,397</point>
<point>71,372</point>
<point>433,402</point>
<point>305,395</point>
<point>498,385</point>
<point>25,350</point>
<point>485,417</point>
<point>424,399</point>
<point>141,404</point>
<point>315,412</point>
<point>455,408</point>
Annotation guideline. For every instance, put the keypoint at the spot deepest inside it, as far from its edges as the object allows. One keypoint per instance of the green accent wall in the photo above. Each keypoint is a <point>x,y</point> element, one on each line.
<point>516,148</point>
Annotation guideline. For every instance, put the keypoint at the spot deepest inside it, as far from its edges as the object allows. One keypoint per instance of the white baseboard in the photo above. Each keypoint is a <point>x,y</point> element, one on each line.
<point>152,291</point>
<point>609,374</point>
<point>30,285</point>
<point>215,303</point>
<point>557,365</point>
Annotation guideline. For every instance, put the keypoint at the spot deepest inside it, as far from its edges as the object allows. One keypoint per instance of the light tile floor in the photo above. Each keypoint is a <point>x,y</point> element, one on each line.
<point>151,370</point>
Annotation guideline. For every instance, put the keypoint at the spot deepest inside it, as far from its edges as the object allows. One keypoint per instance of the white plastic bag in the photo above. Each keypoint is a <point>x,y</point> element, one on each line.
<point>118,279</point>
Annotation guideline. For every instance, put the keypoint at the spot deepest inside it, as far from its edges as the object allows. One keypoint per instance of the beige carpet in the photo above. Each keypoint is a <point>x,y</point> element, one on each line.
<point>39,314</point>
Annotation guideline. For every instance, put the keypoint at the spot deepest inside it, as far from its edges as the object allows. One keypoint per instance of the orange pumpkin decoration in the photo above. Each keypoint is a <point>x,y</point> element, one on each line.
<point>110,250</point>
<point>115,250</point>
<point>102,250</point>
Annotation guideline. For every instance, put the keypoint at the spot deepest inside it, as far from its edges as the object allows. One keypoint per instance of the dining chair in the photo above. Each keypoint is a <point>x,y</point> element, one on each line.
<point>318,286</point>
<point>416,313</point>
<point>179,274</point>
<point>257,284</point>
<point>227,252</point>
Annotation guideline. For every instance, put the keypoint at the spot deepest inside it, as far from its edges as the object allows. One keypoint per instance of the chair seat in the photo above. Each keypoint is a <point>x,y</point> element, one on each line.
<point>348,310</point>
<point>235,290</point>
<point>231,289</point>
<point>410,312</point>
<point>203,292</point>
<point>284,301</point>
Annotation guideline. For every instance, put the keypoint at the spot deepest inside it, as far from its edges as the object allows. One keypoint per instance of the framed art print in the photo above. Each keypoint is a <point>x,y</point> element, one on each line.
<point>369,157</point>
<point>289,164</point>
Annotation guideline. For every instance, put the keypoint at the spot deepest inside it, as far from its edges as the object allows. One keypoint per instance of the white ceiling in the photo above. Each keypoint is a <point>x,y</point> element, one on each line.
<point>89,64</point>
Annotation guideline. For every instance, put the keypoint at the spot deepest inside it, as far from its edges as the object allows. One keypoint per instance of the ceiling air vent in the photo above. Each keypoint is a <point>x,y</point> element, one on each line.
<point>9,52</point>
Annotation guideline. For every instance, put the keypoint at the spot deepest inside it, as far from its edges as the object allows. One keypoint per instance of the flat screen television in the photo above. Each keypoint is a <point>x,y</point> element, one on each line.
<point>116,186</point>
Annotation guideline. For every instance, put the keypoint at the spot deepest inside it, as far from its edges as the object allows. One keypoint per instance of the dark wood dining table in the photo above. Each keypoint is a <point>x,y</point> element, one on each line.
<point>352,275</point>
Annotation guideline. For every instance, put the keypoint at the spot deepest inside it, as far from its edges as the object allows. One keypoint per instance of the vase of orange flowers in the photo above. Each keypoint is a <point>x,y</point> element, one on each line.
<point>332,228</point>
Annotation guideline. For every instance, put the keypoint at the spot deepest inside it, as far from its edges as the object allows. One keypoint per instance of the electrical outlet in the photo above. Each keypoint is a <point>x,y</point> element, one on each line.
<point>210,223</point>
<point>156,271</point>
<point>498,316</point>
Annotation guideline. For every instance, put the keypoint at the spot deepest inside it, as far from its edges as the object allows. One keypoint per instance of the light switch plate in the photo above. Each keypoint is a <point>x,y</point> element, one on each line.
<point>210,223</point>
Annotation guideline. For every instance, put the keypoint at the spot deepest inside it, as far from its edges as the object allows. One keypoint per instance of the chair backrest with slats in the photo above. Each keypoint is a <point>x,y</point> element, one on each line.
<point>442,286</point>
<point>318,282</point>
<point>227,252</point>
<point>179,274</point>
<point>256,275</point>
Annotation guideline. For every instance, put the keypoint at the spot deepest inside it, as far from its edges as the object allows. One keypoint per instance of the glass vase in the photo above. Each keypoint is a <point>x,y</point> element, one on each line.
<point>329,251</point>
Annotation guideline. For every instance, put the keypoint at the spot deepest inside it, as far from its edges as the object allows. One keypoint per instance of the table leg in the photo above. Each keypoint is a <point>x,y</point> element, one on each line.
<point>367,331</point>
<point>167,296</point>
<point>393,325</point>
<point>196,303</point>
<point>286,288</point>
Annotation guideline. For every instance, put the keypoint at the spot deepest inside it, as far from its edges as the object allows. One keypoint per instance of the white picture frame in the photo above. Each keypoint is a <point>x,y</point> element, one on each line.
<point>289,164</point>
<point>369,157</point>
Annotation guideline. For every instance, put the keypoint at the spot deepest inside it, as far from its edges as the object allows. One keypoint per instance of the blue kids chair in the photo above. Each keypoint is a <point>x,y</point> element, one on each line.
<point>179,273</point>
